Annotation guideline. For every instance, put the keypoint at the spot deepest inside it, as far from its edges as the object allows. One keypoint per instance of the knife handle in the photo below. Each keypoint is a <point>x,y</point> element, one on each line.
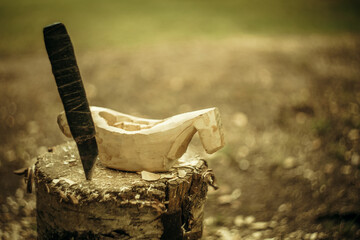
<point>72,93</point>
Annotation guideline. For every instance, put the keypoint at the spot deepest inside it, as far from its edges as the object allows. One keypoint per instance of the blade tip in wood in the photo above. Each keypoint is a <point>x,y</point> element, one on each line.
<point>88,166</point>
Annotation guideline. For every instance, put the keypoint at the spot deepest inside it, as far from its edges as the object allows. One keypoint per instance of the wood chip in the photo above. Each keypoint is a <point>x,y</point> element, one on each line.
<point>47,188</point>
<point>62,195</point>
<point>55,181</point>
<point>148,176</point>
<point>182,173</point>
<point>70,182</point>
<point>167,176</point>
<point>73,199</point>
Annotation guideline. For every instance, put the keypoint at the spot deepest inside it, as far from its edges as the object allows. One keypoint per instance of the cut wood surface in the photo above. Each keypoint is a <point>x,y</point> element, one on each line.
<point>134,144</point>
<point>118,204</point>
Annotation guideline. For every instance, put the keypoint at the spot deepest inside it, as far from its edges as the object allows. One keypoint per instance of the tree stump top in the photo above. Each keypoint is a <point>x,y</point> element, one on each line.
<point>62,163</point>
<point>173,203</point>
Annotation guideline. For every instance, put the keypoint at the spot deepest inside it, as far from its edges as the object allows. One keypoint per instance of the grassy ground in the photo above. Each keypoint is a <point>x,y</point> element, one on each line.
<point>284,75</point>
<point>130,23</point>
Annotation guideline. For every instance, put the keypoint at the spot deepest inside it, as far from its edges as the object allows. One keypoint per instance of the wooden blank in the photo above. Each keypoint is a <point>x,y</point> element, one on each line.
<point>131,143</point>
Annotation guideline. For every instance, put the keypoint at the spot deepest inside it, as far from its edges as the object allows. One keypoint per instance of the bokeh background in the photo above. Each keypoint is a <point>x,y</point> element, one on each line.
<point>284,74</point>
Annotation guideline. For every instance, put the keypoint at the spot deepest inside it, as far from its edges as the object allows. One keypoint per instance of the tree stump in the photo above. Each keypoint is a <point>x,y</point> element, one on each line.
<point>117,204</point>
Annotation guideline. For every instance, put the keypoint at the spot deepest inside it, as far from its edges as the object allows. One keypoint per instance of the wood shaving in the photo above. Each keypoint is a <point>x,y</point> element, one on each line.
<point>167,176</point>
<point>148,176</point>
<point>182,173</point>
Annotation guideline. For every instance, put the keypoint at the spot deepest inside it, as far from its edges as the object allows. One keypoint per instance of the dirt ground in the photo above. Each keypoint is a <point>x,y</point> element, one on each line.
<point>290,109</point>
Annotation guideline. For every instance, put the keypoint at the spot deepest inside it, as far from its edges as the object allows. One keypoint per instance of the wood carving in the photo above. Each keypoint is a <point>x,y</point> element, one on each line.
<point>135,144</point>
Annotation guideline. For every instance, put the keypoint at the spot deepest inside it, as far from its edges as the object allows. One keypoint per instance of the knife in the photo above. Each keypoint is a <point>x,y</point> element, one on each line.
<point>72,93</point>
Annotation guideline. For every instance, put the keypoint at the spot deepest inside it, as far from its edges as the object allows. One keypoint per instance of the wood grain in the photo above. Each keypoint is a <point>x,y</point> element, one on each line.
<point>117,204</point>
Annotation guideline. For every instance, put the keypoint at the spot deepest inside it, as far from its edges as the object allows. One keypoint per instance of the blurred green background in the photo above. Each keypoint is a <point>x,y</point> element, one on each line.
<point>112,23</point>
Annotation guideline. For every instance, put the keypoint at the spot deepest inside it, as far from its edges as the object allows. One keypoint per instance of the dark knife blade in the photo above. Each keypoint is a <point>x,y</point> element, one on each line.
<point>72,93</point>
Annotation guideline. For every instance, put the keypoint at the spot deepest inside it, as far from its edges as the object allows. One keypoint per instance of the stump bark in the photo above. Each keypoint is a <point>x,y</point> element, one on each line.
<point>117,204</point>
